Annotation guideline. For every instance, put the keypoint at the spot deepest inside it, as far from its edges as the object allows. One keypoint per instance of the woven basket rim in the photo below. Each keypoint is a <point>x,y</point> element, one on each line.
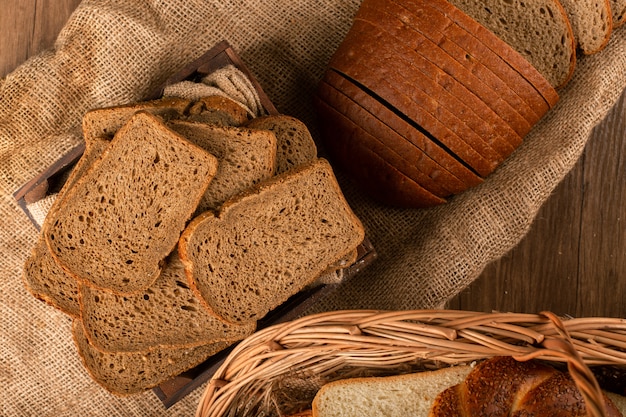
<point>324,343</point>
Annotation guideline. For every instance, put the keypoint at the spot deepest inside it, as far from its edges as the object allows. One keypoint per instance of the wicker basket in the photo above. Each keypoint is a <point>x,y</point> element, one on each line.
<point>278,370</point>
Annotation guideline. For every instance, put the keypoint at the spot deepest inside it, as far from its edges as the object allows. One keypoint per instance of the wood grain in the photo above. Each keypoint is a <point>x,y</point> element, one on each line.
<point>573,260</point>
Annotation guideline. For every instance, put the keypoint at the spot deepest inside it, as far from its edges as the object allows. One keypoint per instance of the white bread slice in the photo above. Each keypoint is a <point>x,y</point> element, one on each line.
<point>539,30</point>
<point>134,372</point>
<point>124,216</point>
<point>167,314</point>
<point>264,246</point>
<point>391,396</point>
<point>592,23</point>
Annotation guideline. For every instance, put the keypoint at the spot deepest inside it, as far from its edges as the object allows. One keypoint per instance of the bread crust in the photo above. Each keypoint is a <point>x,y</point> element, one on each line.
<point>406,158</point>
<point>409,133</point>
<point>492,99</point>
<point>378,178</point>
<point>371,70</point>
<point>509,55</point>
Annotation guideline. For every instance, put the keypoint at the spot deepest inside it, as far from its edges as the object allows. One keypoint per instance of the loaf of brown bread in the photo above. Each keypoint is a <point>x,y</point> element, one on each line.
<point>124,216</point>
<point>265,245</point>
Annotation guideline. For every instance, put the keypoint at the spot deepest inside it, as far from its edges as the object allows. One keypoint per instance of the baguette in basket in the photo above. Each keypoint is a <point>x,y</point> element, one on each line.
<point>500,386</point>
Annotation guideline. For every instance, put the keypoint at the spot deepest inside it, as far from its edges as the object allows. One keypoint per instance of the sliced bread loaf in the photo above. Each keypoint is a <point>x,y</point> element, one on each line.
<point>494,100</point>
<point>167,314</point>
<point>375,176</point>
<point>124,216</point>
<point>104,122</point>
<point>295,144</point>
<point>592,23</point>
<point>218,110</point>
<point>400,395</point>
<point>246,157</point>
<point>399,128</point>
<point>442,95</point>
<point>264,246</point>
<point>360,59</point>
<point>134,372</point>
<point>539,30</point>
<point>46,281</point>
<point>618,12</point>
<point>501,57</point>
<point>401,154</point>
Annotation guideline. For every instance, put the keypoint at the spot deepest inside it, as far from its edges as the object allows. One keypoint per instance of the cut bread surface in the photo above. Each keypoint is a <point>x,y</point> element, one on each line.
<point>539,30</point>
<point>269,243</point>
<point>124,216</point>
<point>167,314</point>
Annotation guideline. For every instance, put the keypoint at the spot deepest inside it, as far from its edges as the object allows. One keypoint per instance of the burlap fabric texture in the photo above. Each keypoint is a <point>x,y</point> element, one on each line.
<point>115,51</point>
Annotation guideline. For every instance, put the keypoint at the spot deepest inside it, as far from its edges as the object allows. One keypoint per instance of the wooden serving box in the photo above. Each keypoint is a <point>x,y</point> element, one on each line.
<point>51,180</point>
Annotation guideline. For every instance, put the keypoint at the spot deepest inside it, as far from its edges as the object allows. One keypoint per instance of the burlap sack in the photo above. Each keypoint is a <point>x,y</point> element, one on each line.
<point>115,51</point>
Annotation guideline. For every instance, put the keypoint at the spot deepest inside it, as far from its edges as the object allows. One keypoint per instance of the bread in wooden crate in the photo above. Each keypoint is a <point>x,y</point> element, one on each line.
<point>409,69</point>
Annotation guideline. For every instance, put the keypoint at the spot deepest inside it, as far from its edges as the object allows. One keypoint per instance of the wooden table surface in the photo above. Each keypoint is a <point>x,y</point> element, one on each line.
<point>573,260</point>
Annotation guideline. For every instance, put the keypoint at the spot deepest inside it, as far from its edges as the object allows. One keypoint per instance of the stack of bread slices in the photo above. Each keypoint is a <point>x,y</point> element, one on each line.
<point>424,99</point>
<point>184,223</point>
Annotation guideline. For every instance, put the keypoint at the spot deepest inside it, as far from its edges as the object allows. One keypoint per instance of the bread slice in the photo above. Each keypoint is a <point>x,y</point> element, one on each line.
<point>46,281</point>
<point>129,373</point>
<point>592,23</point>
<point>167,314</point>
<point>217,110</point>
<point>266,245</point>
<point>246,157</point>
<point>376,176</point>
<point>373,71</point>
<point>498,55</point>
<point>124,216</point>
<point>493,99</point>
<point>104,122</point>
<point>618,12</point>
<point>539,30</point>
<point>401,154</point>
<point>400,395</point>
<point>295,143</point>
<point>398,128</point>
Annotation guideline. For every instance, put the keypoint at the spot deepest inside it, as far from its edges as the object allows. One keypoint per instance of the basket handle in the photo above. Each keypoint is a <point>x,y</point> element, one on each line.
<point>578,369</point>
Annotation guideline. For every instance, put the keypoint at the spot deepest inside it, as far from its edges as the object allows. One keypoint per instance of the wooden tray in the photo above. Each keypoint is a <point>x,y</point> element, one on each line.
<point>52,179</point>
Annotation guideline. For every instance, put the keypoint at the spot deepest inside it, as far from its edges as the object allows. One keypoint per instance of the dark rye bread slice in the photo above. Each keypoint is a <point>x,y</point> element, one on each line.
<point>167,314</point>
<point>378,178</point>
<point>246,157</point>
<point>295,143</point>
<point>592,23</point>
<point>497,54</point>
<point>360,60</point>
<point>425,33</point>
<point>42,276</point>
<point>124,216</point>
<point>218,110</point>
<point>129,373</point>
<point>539,30</point>
<point>401,154</point>
<point>264,246</point>
<point>104,122</point>
<point>435,89</point>
<point>461,176</point>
